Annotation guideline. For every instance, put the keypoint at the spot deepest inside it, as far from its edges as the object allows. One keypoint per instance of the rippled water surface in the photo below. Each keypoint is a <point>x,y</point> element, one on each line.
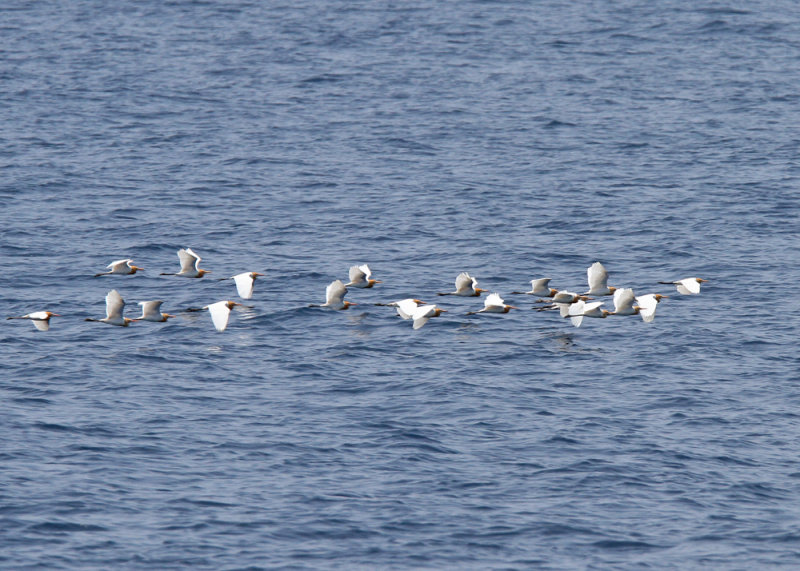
<point>509,139</point>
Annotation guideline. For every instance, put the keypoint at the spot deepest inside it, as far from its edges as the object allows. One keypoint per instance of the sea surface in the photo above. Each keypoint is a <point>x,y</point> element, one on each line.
<point>509,139</point>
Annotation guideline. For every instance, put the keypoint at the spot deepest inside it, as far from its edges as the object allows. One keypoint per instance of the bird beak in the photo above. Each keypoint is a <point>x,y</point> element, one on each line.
<point>257,274</point>
<point>513,307</point>
<point>170,315</point>
<point>701,280</point>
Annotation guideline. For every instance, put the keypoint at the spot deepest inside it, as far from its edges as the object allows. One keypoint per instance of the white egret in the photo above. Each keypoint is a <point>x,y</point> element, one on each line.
<point>493,304</point>
<point>561,301</point>
<point>623,302</point>
<point>687,286</point>
<point>189,265</point>
<point>406,307</point>
<point>114,307</point>
<point>151,311</point>
<point>581,309</point>
<point>120,268</point>
<point>466,286</point>
<point>40,319</point>
<point>598,280</point>
<point>244,283</point>
<point>220,312</point>
<point>539,287</point>
<point>646,305</point>
<point>423,313</point>
<point>334,296</point>
<point>360,277</point>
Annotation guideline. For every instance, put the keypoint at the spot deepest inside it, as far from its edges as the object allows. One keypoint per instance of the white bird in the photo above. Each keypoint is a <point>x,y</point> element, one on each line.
<point>494,304</point>
<point>466,286</point>
<point>598,280</point>
<point>646,305</point>
<point>114,308</point>
<point>539,287</point>
<point>687,286</point>
<point>151,311</point>
<point>562,300</point>
<point>220,312</point>
<point>360,277</point>
<point>189,265</point>
<point>406,307</point>
<point>623,302</point>
<point>244,283</point>
<point>334,296</point>
<point>423,313</point>
<point>40,319</point>
<point>581,309</point>
<point>121,268</point>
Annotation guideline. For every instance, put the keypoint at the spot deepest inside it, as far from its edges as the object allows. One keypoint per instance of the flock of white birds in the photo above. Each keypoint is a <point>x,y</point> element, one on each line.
<point>571,305</point>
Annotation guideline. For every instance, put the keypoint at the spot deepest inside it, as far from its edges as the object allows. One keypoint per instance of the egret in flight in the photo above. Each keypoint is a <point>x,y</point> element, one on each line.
<point>189,265</point>
<point>646,304</point>
<point>360,277</point>
<point>334,296</point>
<point>539,287</point>
<point>494,304</point>
<point>687,286</point>
<point>151,311</point>
<point>423,313</point>
<point>114,307</point>
<point>220,312</point>
<point>466,286</point>
<point>40,319</point>
<point>598,280</point>
<point>244,283</point>
<point>406,307</point>
<point>581,309</point>
<point>120,268</point>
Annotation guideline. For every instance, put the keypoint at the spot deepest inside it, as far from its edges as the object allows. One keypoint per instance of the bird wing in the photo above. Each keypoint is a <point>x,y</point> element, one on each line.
<point>623,299</point>
<point>356,274</point>
<point>406,308</point>
<point>464,281</point>
<point>564,296</point>
<point>689,285</point>
<point>114,304</point>
<point>365,269</point>
<point>244,284</point>
<point>647,307</point>
<point>116,265</point>
<point>575,312</point>
<point>598,276</point>
<point>422,314</point>
<point>493,299</point>
<point>42,324</point>
<point>540,285</point>
<point>334,293</point>
<point>189,259</point>
<point>219,314</point>
<point>589,307</point>
<point>151,308</point>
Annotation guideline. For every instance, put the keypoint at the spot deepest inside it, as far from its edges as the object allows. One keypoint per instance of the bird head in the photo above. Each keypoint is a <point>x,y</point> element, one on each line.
<point>659,296</point>
<point>135,269</point>
<point>418,302</point>
<point>372,282</point>
<point>51,314</point>
<point>479,291</point>
<point>700,280</point>
<point>230,304</point>
<point>347,304</point>
<point>254,275</point>
<point>438,312</point>
<point>201,273</point>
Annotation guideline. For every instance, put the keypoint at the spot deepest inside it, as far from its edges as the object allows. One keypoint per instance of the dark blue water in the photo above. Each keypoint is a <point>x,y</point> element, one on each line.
<point>510,139</point>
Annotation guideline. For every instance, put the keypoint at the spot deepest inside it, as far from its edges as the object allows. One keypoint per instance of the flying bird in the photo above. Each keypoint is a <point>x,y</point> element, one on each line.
<point>244,283</point>
<point>151,311</point>
<point>334,296</point>
<point>598,280</point>
<point>539,287</point>
<point>581,309</point>
<point>623,302</point>
<point>406,307</point>
<point>646,305</point>
<point>120,268</point>
<point>494,304</point>
<point>189,265</point>
<point>220,312</point>
<point>423,313</point>
<point>687,286</point>
<point>40,319</point>
<point>360,277</point>
<point>466,286</point>
<point>114,307</point>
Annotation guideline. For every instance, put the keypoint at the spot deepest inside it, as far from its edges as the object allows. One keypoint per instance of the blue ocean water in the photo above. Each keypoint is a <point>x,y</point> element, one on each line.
<point>509,139</point>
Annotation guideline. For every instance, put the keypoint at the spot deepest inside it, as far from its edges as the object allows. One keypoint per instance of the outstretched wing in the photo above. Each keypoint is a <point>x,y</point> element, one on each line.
<point>647,307</point>
<point>422,314</point>
<point>334,293</point>
<point>598,276</point>
<point>406,308</point>
<point>114,304</point>
<point>219,314</point>
<point>493,300</point>
<point>623,300</point>
<point>189,259</point>
<point>120,265</point>
<point>464,281</point>
<point>151,308</point>
<point>244,284</point>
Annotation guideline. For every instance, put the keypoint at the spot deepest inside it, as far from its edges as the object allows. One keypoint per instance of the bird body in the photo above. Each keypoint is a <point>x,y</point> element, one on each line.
<point>494,304</point>
<point>581,309</point>
<point>120,268</point>
<point>466,286</point>
<point>423,313</point>
<point>687,286</point>
<point>334,296</point>
<point>598,280</point>
<point>623,302</point>
<point>646,305</point>
<point>40,319</point>
<point>189,265</point>
<point>220,312</point>
<point>151,311</point>
<point>244,283</point>
<point>114,307</point>
<point>539,287</point>
<point>406,307</point>
<point>360,277</point>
